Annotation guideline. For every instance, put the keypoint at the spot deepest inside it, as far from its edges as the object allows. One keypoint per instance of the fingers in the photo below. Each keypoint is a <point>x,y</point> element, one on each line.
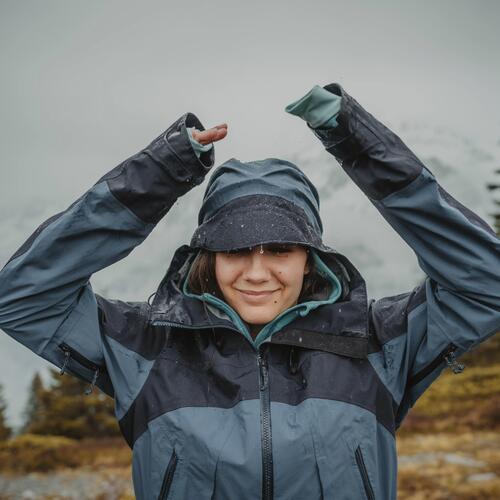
<point>211,135</point>
<point>220,133</point>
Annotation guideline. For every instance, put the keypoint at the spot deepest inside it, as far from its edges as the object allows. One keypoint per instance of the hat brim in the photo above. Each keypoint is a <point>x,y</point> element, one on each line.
<point>257,219</point>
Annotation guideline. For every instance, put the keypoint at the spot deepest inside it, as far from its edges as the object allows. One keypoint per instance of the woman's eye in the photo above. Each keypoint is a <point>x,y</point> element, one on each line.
<point>273,249</point>
<point>279,249</point>
<point>241,251</point>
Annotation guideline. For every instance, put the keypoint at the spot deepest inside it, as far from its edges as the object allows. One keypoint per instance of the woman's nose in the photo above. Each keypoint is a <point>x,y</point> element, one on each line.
<point>256,268</point>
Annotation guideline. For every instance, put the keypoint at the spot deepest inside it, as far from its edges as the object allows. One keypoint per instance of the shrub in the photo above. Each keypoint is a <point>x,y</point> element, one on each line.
<point>32,453</point>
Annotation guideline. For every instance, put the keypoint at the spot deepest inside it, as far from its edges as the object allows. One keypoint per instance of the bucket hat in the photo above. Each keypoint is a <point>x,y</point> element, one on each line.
<point>250,203</point>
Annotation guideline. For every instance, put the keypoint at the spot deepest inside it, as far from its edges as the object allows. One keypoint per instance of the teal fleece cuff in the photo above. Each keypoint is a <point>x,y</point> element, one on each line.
<point>198,148</point>
<point>318,107</point>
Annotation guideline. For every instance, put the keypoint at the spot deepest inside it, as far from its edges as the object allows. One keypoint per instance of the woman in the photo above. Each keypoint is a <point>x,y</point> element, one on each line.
<point>260,369</point>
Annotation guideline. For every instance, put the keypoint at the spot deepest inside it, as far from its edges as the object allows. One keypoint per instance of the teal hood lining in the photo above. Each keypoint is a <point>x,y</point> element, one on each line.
<point>285,317</point>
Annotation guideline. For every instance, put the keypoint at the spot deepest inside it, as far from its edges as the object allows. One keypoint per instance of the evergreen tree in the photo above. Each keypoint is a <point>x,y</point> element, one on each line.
<point>495,188</point>
<point>63,409</point>
<point>5,430</point>
<point>34,404</point>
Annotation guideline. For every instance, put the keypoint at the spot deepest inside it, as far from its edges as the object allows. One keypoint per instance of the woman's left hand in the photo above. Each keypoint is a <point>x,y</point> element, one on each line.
<point>210,135</point>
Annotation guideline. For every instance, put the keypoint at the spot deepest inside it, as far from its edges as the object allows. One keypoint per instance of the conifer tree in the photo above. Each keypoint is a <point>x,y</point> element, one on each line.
<point>5,430</point>
<point>64,410</point>
<point>34,404</point>
<point>494,187</point>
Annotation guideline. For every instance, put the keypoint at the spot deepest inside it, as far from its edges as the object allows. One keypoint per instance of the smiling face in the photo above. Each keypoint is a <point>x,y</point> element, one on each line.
<point>261,282</point>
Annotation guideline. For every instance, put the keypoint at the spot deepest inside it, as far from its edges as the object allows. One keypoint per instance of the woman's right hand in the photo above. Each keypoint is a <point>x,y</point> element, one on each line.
<point>210,135</point>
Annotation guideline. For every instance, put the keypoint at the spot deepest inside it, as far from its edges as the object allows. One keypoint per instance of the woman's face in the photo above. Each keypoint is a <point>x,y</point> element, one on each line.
<point>261,282</point>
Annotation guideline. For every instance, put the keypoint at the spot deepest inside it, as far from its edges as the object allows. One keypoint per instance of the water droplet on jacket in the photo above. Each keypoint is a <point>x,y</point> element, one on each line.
<point>243,225</point>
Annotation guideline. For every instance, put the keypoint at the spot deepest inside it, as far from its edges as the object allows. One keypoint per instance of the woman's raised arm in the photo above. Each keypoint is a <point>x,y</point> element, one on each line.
<point>46,300</point>
<point>458,304</point>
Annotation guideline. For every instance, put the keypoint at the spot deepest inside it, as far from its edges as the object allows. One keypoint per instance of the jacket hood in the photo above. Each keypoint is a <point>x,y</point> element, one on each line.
<point>235,179</point>
<point>246,204</point>
<point>266,201</point>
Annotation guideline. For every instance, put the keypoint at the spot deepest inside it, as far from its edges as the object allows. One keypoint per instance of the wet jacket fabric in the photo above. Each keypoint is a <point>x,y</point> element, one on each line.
<point>312,410</point>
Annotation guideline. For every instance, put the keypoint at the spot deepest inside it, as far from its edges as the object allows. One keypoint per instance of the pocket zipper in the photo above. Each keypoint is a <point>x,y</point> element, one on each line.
<point>447,355</point>
<point>168,477</point>
<point>69,353</point>
<point>364,474</point>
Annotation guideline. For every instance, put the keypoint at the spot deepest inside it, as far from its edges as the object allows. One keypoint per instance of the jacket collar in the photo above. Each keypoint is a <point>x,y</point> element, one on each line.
<point>340,326</point>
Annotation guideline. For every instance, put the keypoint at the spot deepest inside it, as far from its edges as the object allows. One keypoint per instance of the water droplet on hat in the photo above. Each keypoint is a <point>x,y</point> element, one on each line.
<point>243,225</point>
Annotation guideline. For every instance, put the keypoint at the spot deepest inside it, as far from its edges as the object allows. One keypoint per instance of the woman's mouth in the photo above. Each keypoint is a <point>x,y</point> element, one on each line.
<point>254,295</point>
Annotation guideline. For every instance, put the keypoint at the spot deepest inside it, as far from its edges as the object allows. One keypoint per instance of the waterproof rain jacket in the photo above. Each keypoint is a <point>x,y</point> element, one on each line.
<point>311,411</point>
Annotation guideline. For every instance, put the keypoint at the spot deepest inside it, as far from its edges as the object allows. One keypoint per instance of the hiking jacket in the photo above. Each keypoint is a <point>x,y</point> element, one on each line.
<point>311,410</point>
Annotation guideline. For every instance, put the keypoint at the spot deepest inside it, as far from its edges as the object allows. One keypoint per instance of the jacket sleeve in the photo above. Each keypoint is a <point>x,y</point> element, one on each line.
<point>46,299</point>
<point>458,304</point>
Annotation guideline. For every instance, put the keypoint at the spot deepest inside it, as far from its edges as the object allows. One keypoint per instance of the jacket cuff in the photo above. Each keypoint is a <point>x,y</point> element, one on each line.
<point>150,182</point>
<point>373,156</point>
<point>197,146</point>
<point>175,149</point>
<point>341,141</point>
<point>318,107</point>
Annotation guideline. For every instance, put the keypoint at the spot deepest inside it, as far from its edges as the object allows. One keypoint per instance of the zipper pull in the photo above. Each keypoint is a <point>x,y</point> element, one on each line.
<point>67,355</point>
<point>292,365</point>
<point>263,375</point>
<point>452,362</point>
<point>90,388</point>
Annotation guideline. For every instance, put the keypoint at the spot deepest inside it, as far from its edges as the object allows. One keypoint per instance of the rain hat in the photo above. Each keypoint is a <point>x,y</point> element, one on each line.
<point>258,202</point>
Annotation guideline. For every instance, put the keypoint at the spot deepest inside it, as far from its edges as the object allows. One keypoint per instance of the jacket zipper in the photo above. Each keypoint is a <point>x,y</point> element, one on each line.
<point>69,353</point>
<point>364,474</point>
<point>265,419</point>
<point>448,355</point>
<point>206,327</point>
<point>168,477</point>
<point>266,441</point>
<point>180,325</point>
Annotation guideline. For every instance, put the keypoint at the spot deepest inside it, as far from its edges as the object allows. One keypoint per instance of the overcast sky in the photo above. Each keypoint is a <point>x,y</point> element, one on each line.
<point>86,84</point>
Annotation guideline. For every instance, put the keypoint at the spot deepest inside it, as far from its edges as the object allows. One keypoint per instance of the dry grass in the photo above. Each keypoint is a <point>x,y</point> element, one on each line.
<point>449,444</point>
<point>32,453</point>
<point>449,466</point>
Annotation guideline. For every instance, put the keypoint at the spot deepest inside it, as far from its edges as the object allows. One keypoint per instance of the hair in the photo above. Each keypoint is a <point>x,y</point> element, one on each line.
<point>202,278</point>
